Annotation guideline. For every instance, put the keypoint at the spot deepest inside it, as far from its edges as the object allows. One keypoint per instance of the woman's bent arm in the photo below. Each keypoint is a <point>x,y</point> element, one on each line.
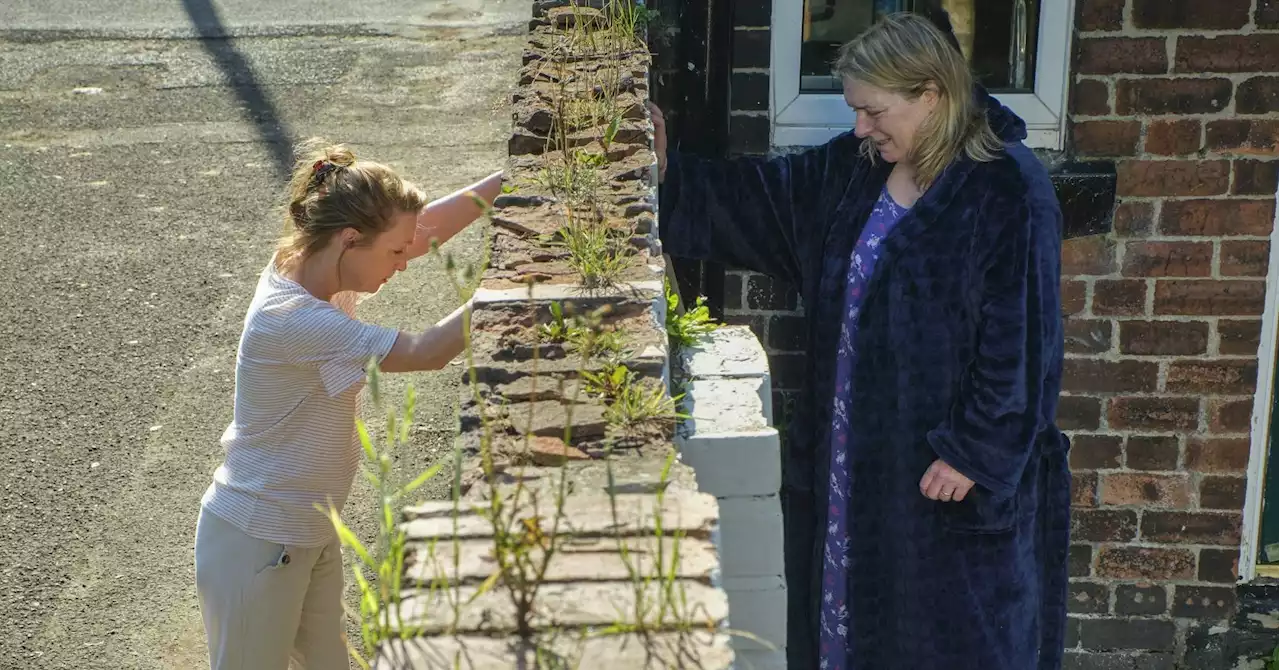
<point>433,348</point>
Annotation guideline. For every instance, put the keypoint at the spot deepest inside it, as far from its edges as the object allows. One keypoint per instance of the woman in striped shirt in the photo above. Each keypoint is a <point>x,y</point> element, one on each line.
<point>268,564</point>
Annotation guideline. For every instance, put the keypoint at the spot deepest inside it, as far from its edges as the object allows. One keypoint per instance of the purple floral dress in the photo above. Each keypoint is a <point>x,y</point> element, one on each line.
<point>834,649</point>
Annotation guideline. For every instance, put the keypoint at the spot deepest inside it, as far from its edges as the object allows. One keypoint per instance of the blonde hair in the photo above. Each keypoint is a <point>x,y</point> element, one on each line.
<point>331,190</point>
<point>906,54</point>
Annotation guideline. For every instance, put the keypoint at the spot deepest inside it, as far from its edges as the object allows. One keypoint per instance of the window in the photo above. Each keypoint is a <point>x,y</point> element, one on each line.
<point>1017,48</point>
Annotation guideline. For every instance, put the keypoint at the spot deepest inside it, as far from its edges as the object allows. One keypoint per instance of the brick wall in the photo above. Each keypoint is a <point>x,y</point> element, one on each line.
<point>1164,317</point>
<point>772,309</point>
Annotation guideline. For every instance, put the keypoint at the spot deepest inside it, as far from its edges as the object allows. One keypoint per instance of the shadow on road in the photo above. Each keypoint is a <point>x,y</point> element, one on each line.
<point>217,42</point>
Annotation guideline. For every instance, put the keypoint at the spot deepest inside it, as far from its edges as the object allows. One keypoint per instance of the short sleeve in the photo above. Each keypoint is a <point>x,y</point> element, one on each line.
<point>311,332</point>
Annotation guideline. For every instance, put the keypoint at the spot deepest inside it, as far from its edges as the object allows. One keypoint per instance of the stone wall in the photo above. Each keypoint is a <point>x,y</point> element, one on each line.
<point>577,534</point>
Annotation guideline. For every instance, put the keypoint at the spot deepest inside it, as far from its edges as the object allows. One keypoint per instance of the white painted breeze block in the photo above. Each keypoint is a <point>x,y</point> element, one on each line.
<point>759,660</point>
<point>753,604</point>
<point>725,405</point>
<point>731,351</point>
<point>751,536</point>
<point>734,451</point>
<point>734,464</point>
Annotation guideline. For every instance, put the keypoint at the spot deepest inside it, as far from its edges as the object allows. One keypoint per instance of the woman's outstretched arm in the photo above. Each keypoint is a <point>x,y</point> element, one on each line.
<point>445,217</point>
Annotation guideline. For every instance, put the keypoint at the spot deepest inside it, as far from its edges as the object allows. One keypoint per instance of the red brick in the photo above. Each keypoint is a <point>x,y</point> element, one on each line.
<point>1164,338</point>
<point>1130,488</point>
<point>1079,412</point>
<point>1119,297</point>
<point>1088,597</point>
<point>1203,602</point>
<point>1219,565</point>
<point>1146,563</point>
<point>1091,375</point>
<point>1128,55</point>
<point>1217,454</point>
<point>1079,560</point>
<point>1104,525</point>
<point>1133,218</point>
<point>1090,97</point>
<point>1142,413</point>
<point>1226,53</point>
<point>1168,259</point>
<point>1106,138</point>
<point>1151,452</point>
<point>1266,16</point>
<point>1100,15</point>
<point>1086,336</point>
<point>1172,96</point>
<point>1172,138</point>
<point>1168,14</point>
<point>1230,416</point>
<point>1225,493</point>
<point>1239,337</point>
<point>1244,258</point>
<point>1185,178</point>
<point>1254,177</point>
<point>1092,255</point>
<point>1191,527</point>
<point>1141,599</point>
<point>1241,137</point>
<point>1257,95</point>
<point>1073,293</point>
<point>1108,634</point>
<point>1095,452</point>
<point>1218,218</point>
<point>1239,297</point>
<point>1084,489</point>
<point>1215,377</point>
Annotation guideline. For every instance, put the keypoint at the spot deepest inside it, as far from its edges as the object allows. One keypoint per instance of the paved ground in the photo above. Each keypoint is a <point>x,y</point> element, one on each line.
<point>139,172</point>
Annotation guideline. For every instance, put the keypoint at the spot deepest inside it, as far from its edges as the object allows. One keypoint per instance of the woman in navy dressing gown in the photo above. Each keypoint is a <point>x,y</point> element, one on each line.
<point>926,490</point>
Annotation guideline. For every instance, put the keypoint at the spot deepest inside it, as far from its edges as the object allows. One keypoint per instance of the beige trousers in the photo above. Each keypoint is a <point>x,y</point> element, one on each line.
<point>265,604</point>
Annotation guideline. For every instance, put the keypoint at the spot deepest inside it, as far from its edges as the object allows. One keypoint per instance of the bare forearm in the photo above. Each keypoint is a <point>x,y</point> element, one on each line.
<point>443,218</point>
<point>433,348</point>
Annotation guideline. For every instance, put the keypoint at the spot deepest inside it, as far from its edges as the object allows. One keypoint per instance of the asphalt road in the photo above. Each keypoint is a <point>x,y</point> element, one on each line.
<point>140,171</point>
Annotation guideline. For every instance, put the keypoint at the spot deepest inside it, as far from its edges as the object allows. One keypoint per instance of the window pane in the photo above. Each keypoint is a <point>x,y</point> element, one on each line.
<point>997,37</point>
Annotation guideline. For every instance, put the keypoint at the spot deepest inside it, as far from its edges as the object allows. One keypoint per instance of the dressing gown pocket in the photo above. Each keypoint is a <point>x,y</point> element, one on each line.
<point>980,512</point>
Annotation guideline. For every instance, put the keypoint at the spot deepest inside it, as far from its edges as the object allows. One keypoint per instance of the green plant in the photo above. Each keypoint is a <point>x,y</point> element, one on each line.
<point>599,254</point>
<point>379,571</point>
<point>630,402</point>
<point>558,329</point>
<point>684,328</point>
<point>643,404</point>
<point>1274,662</point>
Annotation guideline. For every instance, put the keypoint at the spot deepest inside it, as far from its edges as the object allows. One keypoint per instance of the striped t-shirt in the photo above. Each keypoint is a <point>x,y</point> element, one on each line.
<point>292,442</point>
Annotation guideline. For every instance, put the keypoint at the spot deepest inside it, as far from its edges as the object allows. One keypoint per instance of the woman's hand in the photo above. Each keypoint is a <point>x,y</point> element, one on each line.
<point>659,138</point>
<point>943,483</point>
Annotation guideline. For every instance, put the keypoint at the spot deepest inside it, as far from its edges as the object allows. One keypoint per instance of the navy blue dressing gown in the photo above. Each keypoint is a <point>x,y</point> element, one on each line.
<point>959,357</point>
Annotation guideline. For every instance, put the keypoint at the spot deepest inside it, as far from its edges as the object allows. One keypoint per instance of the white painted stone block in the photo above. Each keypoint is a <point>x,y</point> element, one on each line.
<point>758,605</point>
<point>751,536</point>
<point>725,406</point>
<point>759,660</point>
<point>730,351</point>
<point>734,464</point>
<point>568,292</point>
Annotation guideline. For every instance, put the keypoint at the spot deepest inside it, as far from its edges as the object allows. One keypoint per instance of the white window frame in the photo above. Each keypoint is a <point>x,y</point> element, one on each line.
<point>813,118</point>
<point>1260,424</point>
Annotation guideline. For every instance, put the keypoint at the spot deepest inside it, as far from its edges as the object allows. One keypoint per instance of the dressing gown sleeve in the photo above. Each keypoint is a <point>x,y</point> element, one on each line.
<point>991,430</point>
<point>764,214</point>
